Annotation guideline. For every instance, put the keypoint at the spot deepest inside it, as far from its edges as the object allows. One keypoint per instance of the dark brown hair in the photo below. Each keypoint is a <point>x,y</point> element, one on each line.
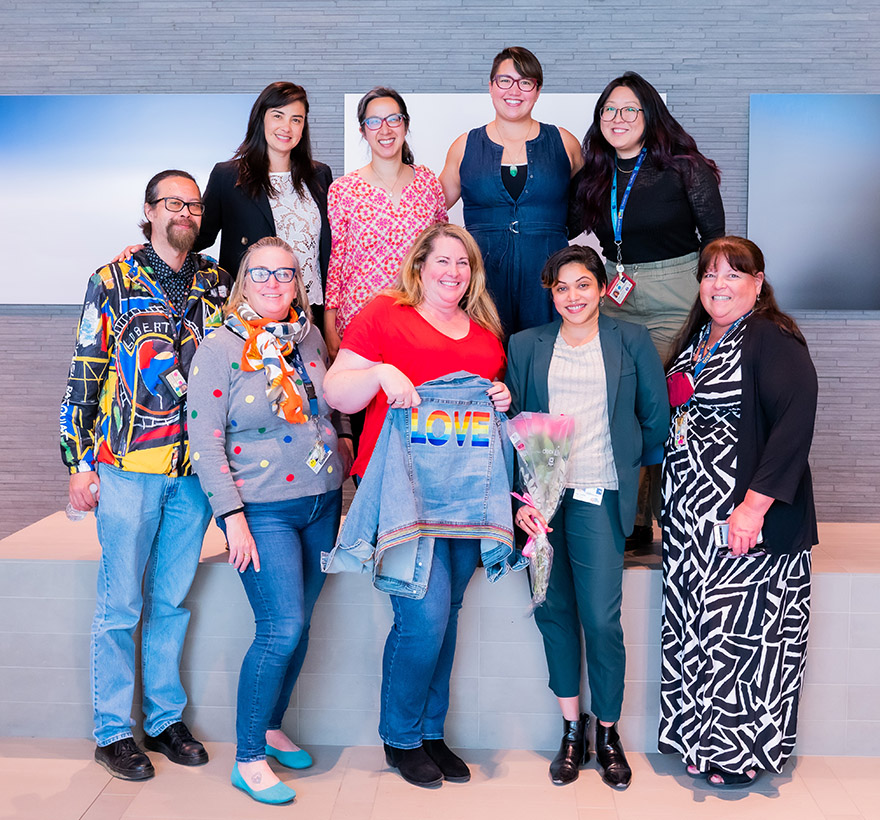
<point>578,255</point>
<point>152,191</point>
<point>744,256</point>
<point>526,63</point>
<point>668,144</point>
<point>253,153</point>
<point>380,93</point>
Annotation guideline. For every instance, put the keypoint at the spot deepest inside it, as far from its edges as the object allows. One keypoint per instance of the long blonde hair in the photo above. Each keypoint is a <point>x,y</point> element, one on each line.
<point>476,303</point>
<point>236,297</point>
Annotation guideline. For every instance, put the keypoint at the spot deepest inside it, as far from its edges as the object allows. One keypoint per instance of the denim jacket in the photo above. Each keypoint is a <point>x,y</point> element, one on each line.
<point>443,469</point>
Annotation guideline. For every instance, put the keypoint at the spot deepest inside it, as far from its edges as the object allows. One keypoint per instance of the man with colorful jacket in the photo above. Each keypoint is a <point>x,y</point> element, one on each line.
<point>124,440</point>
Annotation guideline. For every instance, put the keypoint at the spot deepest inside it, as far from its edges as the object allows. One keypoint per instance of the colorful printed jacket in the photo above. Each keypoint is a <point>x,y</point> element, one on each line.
<point>118,409</point>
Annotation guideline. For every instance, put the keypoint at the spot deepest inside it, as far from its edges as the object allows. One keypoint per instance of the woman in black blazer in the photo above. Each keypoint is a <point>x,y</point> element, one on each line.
<point>607,374</point>
<point>273,187</point>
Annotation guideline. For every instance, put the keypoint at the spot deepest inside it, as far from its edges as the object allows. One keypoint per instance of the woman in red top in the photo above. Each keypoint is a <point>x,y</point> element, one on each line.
<point>439,319</point>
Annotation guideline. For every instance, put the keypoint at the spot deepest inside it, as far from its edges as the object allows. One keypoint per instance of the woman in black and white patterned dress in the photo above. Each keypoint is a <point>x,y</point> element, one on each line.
<point>736,605</point>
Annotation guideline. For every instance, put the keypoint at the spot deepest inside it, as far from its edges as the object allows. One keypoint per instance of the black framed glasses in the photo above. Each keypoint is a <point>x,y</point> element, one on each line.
<point>505,81</point>
<point>175,205</point>
<point>628,113</point>
<point>283,275</point>
<point>375,123</point>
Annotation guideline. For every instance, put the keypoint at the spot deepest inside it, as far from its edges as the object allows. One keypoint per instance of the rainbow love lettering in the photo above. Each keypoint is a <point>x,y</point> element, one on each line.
<point>439,427</point>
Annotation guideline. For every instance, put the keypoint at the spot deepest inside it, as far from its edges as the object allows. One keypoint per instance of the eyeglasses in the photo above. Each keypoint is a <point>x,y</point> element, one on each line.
<point>262,274</point>
<point>628,114</point>
<point>175,205</point>
<point>375,123</point>
<point>505,81</point>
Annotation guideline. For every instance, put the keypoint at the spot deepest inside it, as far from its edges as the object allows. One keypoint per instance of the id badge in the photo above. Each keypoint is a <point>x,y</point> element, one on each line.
<point>591,495</point>
<point>620,287</point>
<point>174,380</point>
<point>679,430</point>
<point>318,456</point>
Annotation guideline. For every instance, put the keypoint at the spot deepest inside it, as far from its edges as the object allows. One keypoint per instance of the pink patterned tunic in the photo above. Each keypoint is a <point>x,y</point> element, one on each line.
<point>371,236</point>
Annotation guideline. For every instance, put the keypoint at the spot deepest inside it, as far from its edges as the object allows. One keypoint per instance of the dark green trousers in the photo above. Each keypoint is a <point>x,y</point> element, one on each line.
<point>585,592</point>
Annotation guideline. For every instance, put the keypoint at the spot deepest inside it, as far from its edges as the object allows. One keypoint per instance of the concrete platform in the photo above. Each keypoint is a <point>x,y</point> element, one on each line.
<point>500,697</point>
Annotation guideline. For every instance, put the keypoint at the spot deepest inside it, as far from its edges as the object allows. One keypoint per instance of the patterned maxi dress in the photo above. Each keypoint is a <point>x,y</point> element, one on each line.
<point>734,630</point>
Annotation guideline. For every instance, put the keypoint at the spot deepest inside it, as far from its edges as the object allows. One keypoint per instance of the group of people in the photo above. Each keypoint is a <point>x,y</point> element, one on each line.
<point>251,397</point>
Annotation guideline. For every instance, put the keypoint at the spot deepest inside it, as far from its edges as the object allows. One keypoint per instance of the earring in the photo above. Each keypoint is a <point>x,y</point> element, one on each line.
<point>601,301</point>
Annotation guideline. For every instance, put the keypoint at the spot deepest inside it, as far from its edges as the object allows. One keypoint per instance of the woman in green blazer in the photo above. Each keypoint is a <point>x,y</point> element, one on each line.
<point>607,374</point>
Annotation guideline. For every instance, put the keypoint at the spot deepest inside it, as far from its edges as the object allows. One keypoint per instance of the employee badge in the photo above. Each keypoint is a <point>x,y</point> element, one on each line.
<point>318,456</point>
<point>620,287</point>
<point>679,430</point>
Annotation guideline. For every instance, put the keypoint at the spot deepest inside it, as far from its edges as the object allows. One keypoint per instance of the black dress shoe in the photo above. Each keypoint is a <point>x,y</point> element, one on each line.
<point>573,751</point>
<point>125,760</point>
<point>454,769</point>
<point>414,766</point>
<point>178,745</point>
<point>610,757</point>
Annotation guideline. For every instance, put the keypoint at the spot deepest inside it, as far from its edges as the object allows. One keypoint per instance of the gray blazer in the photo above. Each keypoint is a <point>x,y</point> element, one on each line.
<point>638,402</point>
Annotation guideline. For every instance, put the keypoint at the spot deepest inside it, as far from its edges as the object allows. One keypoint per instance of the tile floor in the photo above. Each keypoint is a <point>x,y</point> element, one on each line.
<point>58,780</point>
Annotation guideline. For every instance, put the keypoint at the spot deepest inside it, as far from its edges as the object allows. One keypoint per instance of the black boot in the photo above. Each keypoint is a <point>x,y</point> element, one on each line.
<point>573,751</point>
<point>454,769</point>
<point>610,757</point>
<point>414,766</point>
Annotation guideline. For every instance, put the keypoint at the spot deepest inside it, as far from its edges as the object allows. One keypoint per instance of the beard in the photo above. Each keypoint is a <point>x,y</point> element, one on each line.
<point>181,234</point>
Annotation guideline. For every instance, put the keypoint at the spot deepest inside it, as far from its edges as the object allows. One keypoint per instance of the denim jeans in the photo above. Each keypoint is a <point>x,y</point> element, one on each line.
<point>151,529</point>
<point>420,648</point>
<point>290,536</point>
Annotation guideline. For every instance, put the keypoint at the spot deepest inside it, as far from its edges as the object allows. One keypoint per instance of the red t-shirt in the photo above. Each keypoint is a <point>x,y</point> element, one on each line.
<point>398,334</point>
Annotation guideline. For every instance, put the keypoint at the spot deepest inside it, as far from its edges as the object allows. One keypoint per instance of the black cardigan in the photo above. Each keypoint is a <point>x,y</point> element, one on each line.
<point>775,431</point>
<point>242,220</point>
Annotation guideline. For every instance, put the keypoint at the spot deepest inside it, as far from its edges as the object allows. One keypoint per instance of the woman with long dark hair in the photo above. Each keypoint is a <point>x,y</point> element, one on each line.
<point>652,200</point>
<point>513,176</point>
<point>738,525</point>
<point>376,212</point>
<point>273,187</point>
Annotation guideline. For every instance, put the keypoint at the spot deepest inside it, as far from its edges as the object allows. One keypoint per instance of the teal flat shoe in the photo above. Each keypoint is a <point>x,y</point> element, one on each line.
<point>274,796</point>
<point>292,760</point>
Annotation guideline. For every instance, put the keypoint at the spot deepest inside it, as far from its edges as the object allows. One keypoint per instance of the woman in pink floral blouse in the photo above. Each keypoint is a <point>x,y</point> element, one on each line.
<point>376,213</point>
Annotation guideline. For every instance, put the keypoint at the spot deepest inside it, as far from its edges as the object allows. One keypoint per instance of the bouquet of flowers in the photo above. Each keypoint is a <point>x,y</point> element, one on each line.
<point>543,443</point>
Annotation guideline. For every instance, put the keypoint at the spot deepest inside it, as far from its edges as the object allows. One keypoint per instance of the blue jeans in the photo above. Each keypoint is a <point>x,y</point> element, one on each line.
<point>290,536</point>
<point>151,529</point>
<point>420,648</point>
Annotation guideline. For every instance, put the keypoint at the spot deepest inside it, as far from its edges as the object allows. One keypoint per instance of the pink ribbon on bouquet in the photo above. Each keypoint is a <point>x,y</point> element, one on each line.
<point>527,499</point>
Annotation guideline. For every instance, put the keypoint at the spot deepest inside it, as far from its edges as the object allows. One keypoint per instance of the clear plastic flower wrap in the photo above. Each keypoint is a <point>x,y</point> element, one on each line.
<point>543,444</point>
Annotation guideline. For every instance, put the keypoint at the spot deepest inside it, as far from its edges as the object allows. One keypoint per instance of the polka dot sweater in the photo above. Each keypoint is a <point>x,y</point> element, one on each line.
<point>241,451</point>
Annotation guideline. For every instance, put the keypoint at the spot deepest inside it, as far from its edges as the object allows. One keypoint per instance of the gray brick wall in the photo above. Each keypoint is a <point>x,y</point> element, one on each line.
<point>708,58</point>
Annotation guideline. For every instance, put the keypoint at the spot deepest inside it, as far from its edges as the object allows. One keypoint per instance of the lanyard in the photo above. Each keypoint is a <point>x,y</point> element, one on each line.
<point>307,383</point>
<point>617,214</point>
<point>704,340</point>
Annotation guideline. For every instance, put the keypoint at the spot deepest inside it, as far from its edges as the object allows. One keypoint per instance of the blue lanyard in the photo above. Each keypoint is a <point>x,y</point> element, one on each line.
<point>307,383</point>
<point>704,338</point>
<point>617,215</point>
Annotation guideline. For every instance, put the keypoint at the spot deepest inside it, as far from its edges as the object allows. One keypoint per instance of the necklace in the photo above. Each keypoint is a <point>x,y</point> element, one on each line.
<point>510,154</point>
<point>622,170</point>
<point>384,185</point>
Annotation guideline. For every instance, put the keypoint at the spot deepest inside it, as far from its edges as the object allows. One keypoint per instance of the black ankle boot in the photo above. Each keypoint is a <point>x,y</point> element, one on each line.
<point>610,757</point>
<point>573,751</point>
<point>414,766</point>
<point>454,769</point>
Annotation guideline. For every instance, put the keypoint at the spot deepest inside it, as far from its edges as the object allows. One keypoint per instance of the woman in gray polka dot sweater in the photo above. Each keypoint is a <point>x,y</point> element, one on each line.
<point>266,451</point>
